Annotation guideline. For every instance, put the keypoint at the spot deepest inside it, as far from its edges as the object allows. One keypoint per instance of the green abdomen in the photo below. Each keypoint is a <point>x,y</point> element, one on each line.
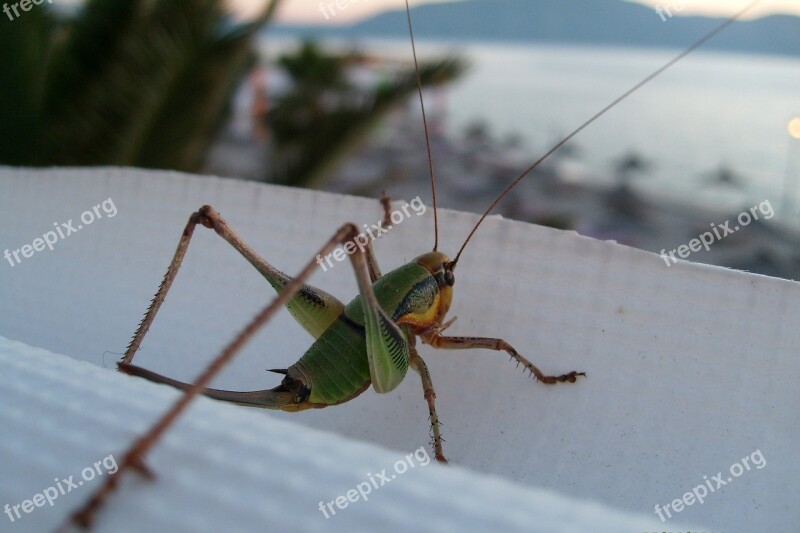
<point>336,364</point>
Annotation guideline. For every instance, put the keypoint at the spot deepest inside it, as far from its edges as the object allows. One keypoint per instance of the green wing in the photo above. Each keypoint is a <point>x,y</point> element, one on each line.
<point>387,349</point>
<point>387,345</point>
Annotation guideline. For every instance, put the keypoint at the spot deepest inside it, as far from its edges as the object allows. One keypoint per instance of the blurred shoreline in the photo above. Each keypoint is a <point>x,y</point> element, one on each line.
<point>562,193</point>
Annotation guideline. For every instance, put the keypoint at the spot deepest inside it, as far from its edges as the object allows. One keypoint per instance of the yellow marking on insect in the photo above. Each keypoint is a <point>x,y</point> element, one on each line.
<point>426,319</point>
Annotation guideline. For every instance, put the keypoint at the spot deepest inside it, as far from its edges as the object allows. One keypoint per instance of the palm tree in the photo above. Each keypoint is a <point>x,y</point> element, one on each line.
<point>324,117</point>
<point>124,82</point>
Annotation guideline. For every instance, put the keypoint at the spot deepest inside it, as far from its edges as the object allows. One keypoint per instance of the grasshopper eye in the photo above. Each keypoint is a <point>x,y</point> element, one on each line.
<point>449,277</point>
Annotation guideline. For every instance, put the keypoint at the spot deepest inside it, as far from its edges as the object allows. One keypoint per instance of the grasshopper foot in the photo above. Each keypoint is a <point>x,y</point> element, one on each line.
<point>571,377</point>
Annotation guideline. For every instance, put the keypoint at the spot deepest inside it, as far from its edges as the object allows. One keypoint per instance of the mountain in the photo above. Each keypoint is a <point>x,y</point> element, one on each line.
<point>583,22</point>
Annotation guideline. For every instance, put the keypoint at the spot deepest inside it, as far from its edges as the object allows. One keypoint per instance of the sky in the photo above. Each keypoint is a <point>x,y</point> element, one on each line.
<point>308,11</point>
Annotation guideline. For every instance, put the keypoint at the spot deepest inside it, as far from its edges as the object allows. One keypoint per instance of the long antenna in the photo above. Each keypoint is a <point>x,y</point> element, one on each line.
<point>602,112</point>
<point>427,135</point>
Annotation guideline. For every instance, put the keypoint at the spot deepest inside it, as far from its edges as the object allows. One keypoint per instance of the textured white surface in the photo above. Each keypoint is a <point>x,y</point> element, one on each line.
<point>223,468</point>
<point>691,368</point>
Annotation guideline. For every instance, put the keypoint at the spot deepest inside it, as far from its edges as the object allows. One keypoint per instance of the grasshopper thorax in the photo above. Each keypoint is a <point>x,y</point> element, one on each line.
<point>441,269</point>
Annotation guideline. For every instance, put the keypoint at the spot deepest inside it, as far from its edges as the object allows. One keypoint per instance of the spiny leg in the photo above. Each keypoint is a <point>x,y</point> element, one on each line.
<point>386,204</point>
<point>421,368</point>
<point>134,458</point>
<point>463,343</point>
<point>166,283</point>
<point>372,261</point>
<point>313,308</point>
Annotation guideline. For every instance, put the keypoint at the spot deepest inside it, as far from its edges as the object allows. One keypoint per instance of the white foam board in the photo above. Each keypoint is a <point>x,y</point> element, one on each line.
<point>228,469</point>
<point>690,368</point>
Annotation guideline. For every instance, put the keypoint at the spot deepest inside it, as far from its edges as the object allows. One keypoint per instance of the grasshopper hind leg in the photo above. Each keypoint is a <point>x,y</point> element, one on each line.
<point>313,308</point>
<point>133,459</point>
<point>288,396</point>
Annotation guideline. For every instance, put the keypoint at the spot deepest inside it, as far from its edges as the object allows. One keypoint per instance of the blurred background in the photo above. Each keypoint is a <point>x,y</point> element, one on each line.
<point>323,95</point>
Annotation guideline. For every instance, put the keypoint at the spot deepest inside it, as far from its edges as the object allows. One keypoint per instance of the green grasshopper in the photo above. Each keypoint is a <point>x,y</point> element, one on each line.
<point>369,341</point>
